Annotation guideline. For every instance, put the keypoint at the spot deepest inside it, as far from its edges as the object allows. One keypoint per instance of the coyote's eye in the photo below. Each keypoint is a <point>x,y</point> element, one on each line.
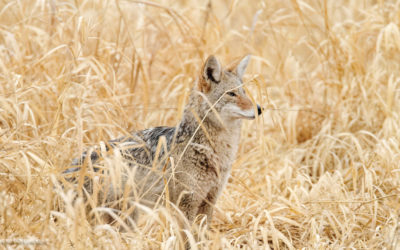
<point>231,93</point>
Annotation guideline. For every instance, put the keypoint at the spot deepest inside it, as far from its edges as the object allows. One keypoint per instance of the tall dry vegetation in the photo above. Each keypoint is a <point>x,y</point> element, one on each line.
<point>319,170</point>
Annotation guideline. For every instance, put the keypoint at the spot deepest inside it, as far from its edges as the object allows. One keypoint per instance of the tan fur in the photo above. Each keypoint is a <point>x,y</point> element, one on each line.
<point>244,103</point>
<point>195,169</point>
<point>203,85</point>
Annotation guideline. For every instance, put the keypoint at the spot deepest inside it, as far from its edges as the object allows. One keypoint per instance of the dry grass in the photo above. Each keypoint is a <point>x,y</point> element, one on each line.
<point>321,169</point>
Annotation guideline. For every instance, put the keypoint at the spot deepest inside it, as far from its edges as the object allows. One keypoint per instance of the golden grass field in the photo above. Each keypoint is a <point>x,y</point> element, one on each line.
<point>319,170</point>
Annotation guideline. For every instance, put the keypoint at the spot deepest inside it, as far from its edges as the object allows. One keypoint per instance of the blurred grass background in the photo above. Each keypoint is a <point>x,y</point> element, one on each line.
<point>319,170</point>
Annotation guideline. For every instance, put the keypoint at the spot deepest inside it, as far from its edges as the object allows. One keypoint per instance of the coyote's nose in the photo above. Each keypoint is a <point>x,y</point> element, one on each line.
<point>259,109</point>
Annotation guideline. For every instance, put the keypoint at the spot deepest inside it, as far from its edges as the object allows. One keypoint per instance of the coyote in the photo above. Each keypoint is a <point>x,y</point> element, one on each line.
<point>189,164</point>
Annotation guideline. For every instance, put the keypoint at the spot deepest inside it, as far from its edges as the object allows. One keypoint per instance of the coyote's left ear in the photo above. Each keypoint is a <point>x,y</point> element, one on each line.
<point>211,73</point>
<point>240,67</point>
<point>212,70</point>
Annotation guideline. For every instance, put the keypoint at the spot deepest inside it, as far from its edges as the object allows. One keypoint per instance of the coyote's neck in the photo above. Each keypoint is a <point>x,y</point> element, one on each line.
<point>205,129</point>
<point>223,139</point>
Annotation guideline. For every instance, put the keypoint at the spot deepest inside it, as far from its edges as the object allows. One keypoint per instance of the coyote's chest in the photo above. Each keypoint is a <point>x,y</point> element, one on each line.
<point>226,154</point>
<point>215,159</point>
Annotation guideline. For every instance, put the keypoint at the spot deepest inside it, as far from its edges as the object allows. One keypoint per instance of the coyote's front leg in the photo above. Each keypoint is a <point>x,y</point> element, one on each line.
<point>207,206</point>
<point>189,205</point>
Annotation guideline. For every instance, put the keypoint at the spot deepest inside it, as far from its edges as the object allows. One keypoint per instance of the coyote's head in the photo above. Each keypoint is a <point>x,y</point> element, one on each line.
<point>223,87</point>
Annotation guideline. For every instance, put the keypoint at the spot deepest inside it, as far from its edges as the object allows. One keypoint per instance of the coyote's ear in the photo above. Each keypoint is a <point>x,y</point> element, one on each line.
<point>212,70</point>
<point>240,66</point>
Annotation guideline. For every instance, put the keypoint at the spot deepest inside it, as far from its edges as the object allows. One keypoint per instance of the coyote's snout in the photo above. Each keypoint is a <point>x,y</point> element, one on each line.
<point>187,165</point>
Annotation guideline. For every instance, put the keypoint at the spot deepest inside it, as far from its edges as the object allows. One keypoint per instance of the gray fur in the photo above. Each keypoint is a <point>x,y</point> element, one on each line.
<point>201,155</point>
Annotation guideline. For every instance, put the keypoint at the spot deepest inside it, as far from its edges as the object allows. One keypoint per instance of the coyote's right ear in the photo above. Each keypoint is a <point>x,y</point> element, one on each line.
<point>238,67</point>
<point>212,70</point>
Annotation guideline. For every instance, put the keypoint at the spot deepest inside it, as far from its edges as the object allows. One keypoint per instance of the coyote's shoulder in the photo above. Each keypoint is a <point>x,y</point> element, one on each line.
<point>191,161</point>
